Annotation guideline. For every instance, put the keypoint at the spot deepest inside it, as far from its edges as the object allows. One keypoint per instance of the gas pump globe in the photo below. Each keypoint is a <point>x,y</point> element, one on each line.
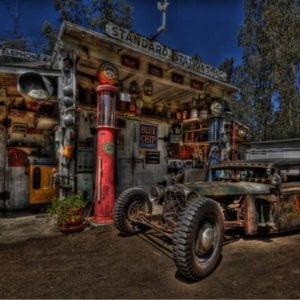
<point>106,106</point>
<point>104,196</point>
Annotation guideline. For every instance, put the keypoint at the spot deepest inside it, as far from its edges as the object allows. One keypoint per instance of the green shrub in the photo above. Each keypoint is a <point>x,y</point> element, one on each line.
<point>66,208</point>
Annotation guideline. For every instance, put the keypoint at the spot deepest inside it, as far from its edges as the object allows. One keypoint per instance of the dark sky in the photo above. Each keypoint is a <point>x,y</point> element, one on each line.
<point>207,27</point>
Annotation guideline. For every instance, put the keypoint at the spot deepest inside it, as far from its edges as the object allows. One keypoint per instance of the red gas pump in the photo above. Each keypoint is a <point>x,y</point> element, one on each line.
<point>105,162</point>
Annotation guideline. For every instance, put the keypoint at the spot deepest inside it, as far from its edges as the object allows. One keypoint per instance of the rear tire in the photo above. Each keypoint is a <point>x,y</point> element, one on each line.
<point>129,202</point>
<point>198,239</point>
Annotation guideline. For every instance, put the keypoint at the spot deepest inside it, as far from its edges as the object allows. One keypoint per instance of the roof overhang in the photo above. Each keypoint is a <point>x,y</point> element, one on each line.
<point>20,69</point>
<point>89,37</point>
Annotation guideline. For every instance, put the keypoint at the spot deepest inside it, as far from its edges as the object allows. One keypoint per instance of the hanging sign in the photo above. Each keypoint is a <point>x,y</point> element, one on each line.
<point>156,49</point>
<point>16,158</point>
<point>152,157</point>
<point>177,78</point>
<point>156,71</point>
<point>130,62</point>
<point>148,136</point>
<point>198,85</point>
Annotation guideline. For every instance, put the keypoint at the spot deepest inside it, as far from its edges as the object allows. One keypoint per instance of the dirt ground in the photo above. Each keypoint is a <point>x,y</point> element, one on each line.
<point>98,263</point>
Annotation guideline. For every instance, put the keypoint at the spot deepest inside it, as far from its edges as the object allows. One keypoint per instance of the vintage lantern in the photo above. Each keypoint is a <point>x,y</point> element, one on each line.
<point>148,88</point>
<point>203,114</point>
<point>134,88</point>
<point>105,162</point>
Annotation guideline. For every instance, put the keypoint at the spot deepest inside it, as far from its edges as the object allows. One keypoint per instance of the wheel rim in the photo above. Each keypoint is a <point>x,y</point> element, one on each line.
<point>136,209</point>
<point>206,241</point>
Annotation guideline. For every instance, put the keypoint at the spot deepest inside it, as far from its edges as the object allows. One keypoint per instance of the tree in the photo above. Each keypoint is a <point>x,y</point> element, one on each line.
<point>254,75</point>
<point>281,30</point>
<point>17,41</point>
<point>242,103</point>
<point>116,11</point>
<point>74,11</point>
<point>268,77</point>
<point>93,14</point>
<point>50,33</point>
<point>228,67</point>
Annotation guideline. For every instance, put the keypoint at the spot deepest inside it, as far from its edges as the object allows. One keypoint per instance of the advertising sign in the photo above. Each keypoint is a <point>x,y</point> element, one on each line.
<point>148,136</point>
<point>152,157</point>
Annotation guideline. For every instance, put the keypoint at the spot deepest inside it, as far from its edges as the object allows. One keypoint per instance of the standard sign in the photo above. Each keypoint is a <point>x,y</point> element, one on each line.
<point>24,55</point>
<point>154,48</point>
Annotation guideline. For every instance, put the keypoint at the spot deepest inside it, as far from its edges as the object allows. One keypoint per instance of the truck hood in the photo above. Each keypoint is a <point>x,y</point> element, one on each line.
<point>228,188</point>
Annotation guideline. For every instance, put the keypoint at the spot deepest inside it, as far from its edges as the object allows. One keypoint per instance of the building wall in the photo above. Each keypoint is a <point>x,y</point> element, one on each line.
<point>274,149</point>
<point>132,169</point>
<point>2,162</point>
<point>273,153</point>
<point>86,154</point>
<point>28,132</point>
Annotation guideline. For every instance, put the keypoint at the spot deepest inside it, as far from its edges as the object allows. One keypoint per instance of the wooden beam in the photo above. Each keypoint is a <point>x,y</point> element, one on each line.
<point>21,70</point>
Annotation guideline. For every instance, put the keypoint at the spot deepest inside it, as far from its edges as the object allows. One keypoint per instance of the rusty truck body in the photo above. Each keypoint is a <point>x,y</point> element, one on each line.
<point>258,197</point>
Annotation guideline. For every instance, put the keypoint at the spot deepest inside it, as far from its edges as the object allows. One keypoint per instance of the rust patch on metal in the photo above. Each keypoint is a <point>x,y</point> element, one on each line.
<point>296,203</point>
<point>250,222</point>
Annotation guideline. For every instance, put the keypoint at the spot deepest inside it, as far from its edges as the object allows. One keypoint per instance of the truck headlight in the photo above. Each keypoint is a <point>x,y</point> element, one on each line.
<point>276,179</point>
<point>157,193</point>
<point>242,132</point>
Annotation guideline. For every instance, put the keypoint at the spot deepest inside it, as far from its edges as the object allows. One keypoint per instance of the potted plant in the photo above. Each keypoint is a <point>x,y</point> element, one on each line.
<point>69,213</point>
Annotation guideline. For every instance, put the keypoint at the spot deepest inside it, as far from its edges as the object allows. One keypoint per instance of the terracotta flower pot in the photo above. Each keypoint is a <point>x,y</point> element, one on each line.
<point>74,223</point>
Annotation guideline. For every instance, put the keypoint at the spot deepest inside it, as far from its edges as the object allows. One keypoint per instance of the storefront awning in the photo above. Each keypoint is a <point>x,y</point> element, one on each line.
<point>93,48</point>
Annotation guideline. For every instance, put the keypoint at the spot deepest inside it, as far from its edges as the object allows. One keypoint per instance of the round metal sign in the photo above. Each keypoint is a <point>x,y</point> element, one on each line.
<point>109,148</point>
<point>107,74</point>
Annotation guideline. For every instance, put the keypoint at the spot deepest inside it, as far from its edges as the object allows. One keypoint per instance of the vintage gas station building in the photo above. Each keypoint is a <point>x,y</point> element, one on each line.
<point>172,114</point>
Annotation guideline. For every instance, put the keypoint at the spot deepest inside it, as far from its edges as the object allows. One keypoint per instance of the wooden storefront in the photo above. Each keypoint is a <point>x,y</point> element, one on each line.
<point>172,111</point>
<point>27,148</point>
<point>164,107</point>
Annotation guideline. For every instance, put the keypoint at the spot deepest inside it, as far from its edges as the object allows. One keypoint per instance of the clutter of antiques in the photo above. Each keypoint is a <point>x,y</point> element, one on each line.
<point>168,115</point>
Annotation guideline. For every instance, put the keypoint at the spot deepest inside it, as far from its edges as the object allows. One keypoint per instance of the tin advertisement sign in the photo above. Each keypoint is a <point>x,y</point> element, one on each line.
<point>152,157</point>
<point>148,136</point>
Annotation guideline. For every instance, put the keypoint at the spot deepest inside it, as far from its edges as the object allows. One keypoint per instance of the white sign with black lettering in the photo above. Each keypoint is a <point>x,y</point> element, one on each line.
<point>156,49</point>
<point>24,55</point>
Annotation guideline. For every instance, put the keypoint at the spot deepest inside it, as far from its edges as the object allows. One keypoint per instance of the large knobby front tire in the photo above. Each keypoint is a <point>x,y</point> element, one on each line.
<point>131,204</point>
<point>198,239</point>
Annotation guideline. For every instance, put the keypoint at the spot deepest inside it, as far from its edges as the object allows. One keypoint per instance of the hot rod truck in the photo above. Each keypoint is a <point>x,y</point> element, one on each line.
<point>258,197</point>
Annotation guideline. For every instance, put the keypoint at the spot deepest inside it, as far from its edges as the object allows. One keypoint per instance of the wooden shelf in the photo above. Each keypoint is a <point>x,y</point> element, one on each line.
<point>196,143</point>
<point>196,130</point>
<point>26,149</point>
<point>87,107</point>
<point>25,111</point>
<point>191,120</point>
<point>133,115</point>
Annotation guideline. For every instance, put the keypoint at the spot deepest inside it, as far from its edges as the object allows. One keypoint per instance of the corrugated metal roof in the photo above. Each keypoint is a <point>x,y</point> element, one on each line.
<point>259,163</point>
<point>277,141</point>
